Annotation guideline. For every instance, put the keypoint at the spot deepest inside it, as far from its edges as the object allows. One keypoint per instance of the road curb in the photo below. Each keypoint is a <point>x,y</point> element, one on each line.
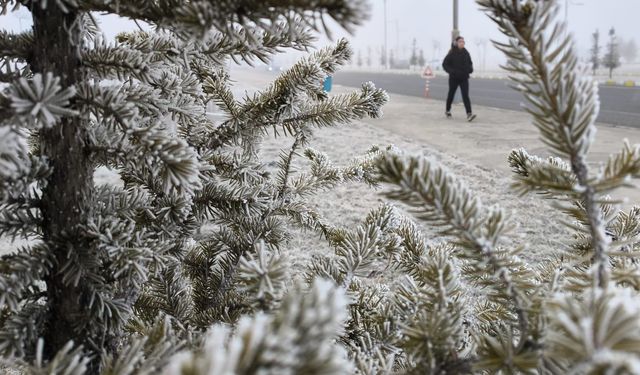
<point>626,83</point>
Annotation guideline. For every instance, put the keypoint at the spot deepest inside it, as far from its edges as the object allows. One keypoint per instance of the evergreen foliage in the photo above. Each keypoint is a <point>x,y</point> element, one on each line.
<point>182,242</point>
<point>178,269</point>
<point>413,60</point>
<point>421,59</point>
<point>611,59</point>
<point>629,50</point>
<point>595,51</point>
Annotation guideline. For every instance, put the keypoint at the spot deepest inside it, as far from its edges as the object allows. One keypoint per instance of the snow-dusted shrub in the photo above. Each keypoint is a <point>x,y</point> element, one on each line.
<point>177,270</point>
<point>118,277</point>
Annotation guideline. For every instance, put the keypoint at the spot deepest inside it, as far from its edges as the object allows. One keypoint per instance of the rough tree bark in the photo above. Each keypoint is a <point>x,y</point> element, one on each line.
<point>66,196</point>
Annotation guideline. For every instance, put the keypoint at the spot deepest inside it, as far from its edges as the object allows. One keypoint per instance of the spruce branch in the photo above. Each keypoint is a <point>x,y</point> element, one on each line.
<point>619,169</point>
<point>215,86</point>
<point>119,106</point>
<point>263,277</point>
<point>20,329</point>
<point>16,46</point>
<point>159,46</point>
<point>299,338</point>
<point>361,252</point>
<point>167,293</point>
<point>19,273</point>
<point>432,301</point>
<point>285,163</point>
<point>304,76</point>
<point>552,177</point>
<point>323,174</point>
<point>339,109</point>
<point>179,164</point>
<point>18,188</point>
<point>20,219</point>
<point>9,72</point>
<point>216,199</point>
<point>304,217</point>
<point>439,198</point>
<point>5,4</point>
<point>562,96</point>
<point>596,332</point>
<point>150,145</point>
<point>248,43</point>
<point>196,18</point>
<point>273,106</point>
<point>149,349</point>
<point>107,61</point>
<point>70,360</point>
<point>41,101</point>
<point>14,158</point>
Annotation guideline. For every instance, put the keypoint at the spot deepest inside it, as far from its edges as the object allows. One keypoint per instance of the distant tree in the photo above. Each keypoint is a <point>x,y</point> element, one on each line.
<point>369,56</point>
<point>392,60</point>
<point>629,50</point>
<point>612,58</point>
<point>436,47</point>
<point>359,60</point>
<point>421,59</point>
<point>414,54</point>
<point>595,51</point>
<point>383,57</point>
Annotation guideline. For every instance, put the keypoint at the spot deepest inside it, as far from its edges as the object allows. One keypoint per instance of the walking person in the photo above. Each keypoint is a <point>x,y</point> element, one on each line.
<point>459,66</point>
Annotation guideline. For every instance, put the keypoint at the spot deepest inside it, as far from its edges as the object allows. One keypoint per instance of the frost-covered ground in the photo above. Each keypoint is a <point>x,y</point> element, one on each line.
<point>538,225</point>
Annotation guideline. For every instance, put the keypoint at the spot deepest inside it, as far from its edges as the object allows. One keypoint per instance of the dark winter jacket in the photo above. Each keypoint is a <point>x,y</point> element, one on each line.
<point>458,63</point>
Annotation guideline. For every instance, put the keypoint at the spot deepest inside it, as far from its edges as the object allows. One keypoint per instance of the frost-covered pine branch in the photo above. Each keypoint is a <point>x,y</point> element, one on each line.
<point>15,46</point>
<point>561,96</point>
<point>439,198</point>
<point>299,339</point>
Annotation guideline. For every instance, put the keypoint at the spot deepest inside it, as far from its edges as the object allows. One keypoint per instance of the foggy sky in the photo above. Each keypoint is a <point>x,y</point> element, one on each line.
<point>431,20</point>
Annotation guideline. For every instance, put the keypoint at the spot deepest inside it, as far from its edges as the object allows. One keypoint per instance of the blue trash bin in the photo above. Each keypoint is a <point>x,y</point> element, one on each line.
<point>326,85</point>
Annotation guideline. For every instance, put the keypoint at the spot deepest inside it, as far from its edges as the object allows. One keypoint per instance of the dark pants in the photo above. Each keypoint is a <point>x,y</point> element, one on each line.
<point>464,88</point>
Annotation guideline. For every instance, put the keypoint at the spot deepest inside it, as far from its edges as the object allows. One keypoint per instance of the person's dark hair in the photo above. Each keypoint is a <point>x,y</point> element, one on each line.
<point>454,44</point>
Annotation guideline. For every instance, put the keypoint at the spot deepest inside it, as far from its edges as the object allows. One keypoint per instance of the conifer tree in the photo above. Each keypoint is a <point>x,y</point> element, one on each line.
<point>421,59</point>
<point>629,50</point>
<point>387,300</point>
<point>115,278</point>
<point>595,51</point>
<point>611,59</point>
<point>413,60</point>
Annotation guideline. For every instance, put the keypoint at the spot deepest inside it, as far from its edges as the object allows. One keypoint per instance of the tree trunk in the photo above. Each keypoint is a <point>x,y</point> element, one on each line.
<point>67,194</point>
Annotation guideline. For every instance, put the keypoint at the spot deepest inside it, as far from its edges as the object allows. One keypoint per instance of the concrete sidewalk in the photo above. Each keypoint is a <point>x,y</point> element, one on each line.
<point>485,142</point>
<point>488,140</point>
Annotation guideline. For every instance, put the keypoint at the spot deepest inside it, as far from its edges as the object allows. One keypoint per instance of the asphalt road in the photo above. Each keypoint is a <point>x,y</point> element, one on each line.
<point>619,105</point>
